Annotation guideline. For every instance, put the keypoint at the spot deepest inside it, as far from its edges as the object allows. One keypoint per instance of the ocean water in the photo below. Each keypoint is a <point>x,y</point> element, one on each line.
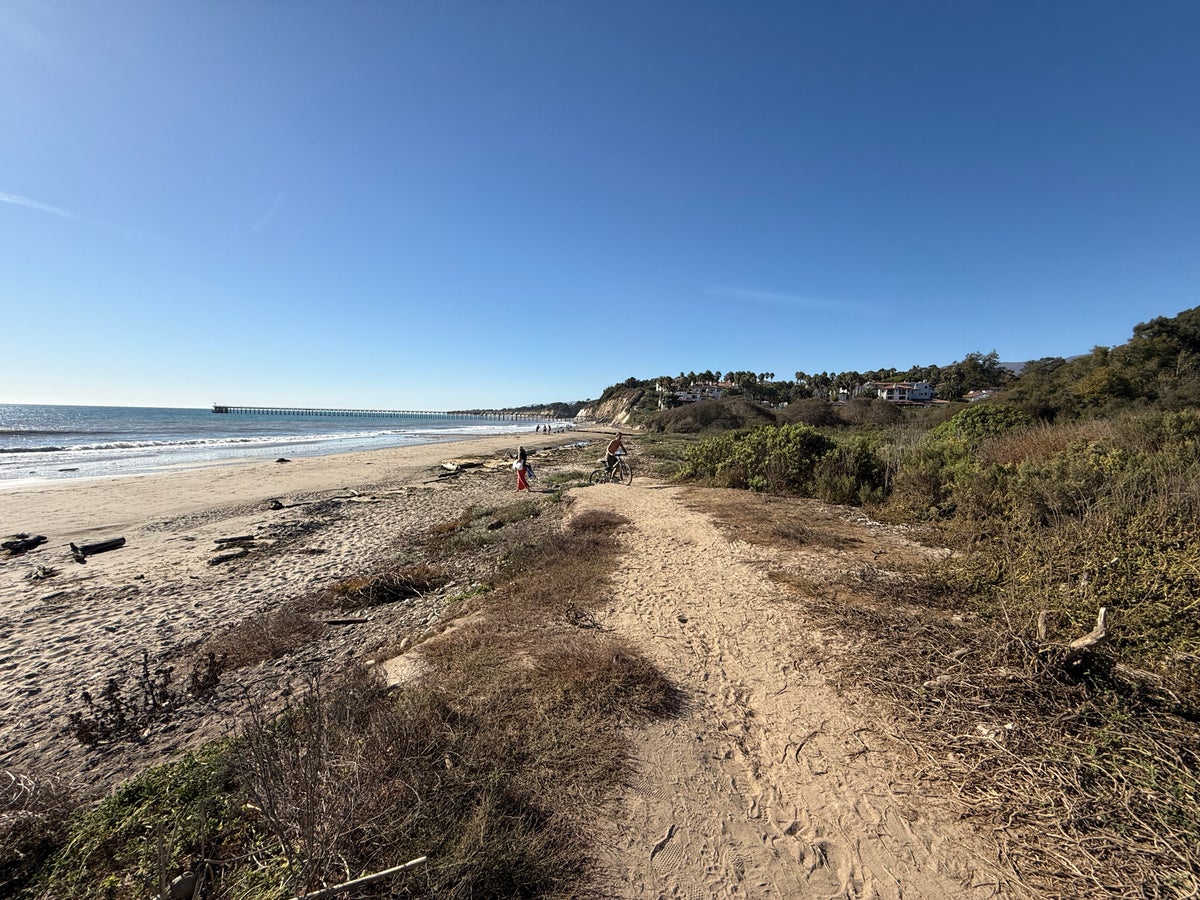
<point>49,443</point>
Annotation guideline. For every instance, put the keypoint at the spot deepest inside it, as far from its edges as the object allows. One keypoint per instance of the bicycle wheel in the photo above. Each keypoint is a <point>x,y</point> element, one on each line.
<point>623,473</point>
<point>599,476</point>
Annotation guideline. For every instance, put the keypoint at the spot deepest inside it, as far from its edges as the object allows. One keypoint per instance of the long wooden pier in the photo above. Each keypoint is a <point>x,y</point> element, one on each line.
<point>366,413</point>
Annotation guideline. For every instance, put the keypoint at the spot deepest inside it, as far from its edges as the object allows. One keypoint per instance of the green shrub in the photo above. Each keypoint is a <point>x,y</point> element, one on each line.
<point>1162,430</point>
<point>775,458</point>
<point>1110,523</point>
<point>149,830</point>
<point>726,414</point>
<point>923,486</point>
<point>980,421</point>
<point>853,472</point>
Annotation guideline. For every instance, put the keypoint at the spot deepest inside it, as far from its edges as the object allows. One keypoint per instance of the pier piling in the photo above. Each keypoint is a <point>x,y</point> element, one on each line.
<point>226,409</point>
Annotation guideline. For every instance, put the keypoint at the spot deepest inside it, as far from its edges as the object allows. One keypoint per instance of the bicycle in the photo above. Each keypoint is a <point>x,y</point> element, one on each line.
<point>619,473</point>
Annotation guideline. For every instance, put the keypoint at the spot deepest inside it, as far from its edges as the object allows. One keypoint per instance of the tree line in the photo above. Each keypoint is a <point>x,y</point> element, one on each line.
<point>1159,367</point>
<point>976,371</point>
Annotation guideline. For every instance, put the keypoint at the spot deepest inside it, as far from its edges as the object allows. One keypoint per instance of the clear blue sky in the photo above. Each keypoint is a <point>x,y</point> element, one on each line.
<point>426,204</point>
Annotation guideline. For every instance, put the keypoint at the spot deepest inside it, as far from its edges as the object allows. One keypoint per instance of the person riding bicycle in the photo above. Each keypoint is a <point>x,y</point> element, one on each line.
<point>610,453</point>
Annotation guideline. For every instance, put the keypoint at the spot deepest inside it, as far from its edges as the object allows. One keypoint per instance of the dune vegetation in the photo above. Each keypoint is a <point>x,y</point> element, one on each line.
<point>1071,502</point>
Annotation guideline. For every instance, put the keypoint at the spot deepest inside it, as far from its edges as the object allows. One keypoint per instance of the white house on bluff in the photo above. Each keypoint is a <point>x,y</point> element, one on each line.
<point>700,390</point>
<point>899,391</point>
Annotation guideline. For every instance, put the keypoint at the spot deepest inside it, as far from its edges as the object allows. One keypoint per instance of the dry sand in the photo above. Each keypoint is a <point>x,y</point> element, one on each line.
<point>341,515</point>
<point>770,783</point>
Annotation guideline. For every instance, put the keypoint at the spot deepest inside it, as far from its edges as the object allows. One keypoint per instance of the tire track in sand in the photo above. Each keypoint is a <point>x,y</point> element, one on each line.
<point>766,785</point>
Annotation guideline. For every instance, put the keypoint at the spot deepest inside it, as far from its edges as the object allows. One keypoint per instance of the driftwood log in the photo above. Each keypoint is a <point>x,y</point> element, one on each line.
<point>235,553</point>
<point>82,551</point>
<point>22,542</point>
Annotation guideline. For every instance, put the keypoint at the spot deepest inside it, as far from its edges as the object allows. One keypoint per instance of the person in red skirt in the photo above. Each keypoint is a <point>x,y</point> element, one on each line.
<point>522,467</point>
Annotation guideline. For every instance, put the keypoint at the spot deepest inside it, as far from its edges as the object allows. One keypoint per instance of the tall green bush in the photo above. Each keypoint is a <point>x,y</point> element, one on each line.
<point>1113,523</point>
<point>773,458</point>
<point>923,485</point>
<point>853,472</point>
<point>979,422</point>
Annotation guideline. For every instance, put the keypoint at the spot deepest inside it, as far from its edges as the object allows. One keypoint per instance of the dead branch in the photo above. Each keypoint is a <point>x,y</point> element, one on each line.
<point>1079,647</point>
<point>358,882</point>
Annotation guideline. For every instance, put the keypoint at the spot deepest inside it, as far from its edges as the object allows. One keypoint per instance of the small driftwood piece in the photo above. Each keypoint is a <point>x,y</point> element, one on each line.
<point>22,542</point>
<point>232,541</point>
<point>946,678</point>
<point>235,553</point>
<point>356,497</point>
<point>1079,647</point>
<point>82,551</point>
<point>359,882</point>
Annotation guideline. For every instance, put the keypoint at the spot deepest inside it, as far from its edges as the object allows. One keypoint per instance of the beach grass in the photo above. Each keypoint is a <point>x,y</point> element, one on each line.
<point>492,766</point>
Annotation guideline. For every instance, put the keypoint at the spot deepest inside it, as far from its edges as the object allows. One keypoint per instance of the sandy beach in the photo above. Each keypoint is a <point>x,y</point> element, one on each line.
<point>761,780</point>
<point>314,520</point>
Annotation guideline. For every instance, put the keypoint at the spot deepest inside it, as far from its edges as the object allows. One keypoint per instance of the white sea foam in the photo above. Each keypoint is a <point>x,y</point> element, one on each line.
<point>52,443</point>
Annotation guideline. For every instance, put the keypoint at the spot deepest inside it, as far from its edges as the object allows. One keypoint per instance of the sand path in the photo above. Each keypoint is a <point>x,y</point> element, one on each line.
<point>769,784</point>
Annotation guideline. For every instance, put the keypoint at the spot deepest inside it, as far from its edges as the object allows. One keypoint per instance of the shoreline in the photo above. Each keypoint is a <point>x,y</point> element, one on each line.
<point>113,455</point>
<point>89,507</point>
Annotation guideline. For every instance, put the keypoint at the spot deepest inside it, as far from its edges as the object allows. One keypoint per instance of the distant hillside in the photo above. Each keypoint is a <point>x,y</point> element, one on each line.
<point>557,410</point>
<point>1018,367</point>
<point>616,406</point>
<point>1159,367</point>
<point>712,415</point>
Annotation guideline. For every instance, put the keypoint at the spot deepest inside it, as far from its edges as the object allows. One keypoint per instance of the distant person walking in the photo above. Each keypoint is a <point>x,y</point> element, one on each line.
<point>522,467</point>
